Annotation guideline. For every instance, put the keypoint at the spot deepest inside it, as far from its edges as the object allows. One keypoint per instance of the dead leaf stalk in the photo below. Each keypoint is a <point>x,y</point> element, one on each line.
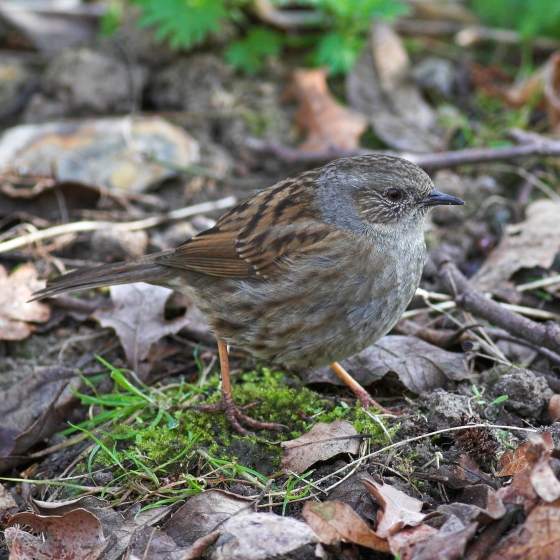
<point>480,335</point>
<point>537,284</point>
<point>136,225</point>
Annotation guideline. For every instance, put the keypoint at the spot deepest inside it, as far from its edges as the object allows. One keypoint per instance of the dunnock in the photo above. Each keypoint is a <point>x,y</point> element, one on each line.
<point>306,272</point>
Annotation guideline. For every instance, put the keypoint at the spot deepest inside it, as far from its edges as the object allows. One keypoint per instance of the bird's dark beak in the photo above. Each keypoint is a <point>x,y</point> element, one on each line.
<point>436,198</point>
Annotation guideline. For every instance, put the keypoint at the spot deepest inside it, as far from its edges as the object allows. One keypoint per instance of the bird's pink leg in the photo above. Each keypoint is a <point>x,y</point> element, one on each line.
<point>234,413</point>
<point>366,400</point>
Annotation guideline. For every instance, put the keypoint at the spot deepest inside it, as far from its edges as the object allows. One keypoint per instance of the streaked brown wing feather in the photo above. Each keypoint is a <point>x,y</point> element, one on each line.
<point>212,252</point>
<point>259,235</point>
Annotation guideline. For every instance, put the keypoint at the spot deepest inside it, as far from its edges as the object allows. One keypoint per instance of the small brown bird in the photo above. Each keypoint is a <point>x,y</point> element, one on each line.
<point>307,272</point>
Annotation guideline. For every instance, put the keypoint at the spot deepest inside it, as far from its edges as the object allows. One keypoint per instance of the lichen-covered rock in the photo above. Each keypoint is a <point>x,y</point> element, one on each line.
<point>84,82</point>
<point>527,394</point>
<point>443,409</point>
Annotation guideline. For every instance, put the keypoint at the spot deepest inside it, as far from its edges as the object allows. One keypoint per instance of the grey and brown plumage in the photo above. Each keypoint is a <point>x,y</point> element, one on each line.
<point>306,272</point>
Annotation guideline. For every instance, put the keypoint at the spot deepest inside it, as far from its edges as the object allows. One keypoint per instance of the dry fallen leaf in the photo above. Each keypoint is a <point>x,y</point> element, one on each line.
<point>351,492</point>
<point>544,481</point>
<point>15,439</point>
<point>259,536</point>
<point>485,498</point>
<point>420,366</point>
<point>15,311</point>
<point>202,514</point>
<point>328,124</point>
<point>138,317</point>
<point>150,543</point>
<point>541,88</point>
<point>333,522</point>
<point>381,87</point>
<point>538,538</point>
<point>40,196</point>
<point>399,510</point>
<point>533,242</point>
<point>25,400</point>
<point>404,543</point>
<point>495,82</point>
<point>511,463</point>
<point>449,542</point>
<point>536,481</point>
<point>322,442</point>
<point>520,491</point>
<point>462,474</point>
<point>118,528</point>
<point>6,500</point>
<point>542,476</point>
<point>77,535</point>
<point>455,476</point>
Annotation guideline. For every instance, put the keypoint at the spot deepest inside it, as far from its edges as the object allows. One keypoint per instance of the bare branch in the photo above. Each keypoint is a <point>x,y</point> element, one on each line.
<point>470,299</point>
<point>534,145</point>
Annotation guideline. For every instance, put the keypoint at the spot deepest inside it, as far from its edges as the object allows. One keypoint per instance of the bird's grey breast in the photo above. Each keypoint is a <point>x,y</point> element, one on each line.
<point>391,274</point>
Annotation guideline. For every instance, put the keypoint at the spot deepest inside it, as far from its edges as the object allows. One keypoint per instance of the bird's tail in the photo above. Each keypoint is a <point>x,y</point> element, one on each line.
<point>144,269</point>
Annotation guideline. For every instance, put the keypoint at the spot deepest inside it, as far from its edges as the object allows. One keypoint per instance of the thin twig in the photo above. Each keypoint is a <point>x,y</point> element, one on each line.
<point>540,146</point>
<point>542,283</point>
<point>481,336</point>
<point>446,305</point>
<point>376,419</point>
<point>409,440</point>
<point>441,307</point>
<point>136,225</point>
<point>501,334</point>
<point>469,298</point>
<point>532,179</point>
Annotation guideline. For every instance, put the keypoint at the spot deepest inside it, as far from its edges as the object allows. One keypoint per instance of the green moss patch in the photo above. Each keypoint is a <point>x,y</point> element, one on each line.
<point>152,433</point>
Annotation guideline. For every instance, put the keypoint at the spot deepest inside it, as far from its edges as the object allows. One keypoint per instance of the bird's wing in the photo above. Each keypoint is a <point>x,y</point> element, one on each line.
<point>258,236</point>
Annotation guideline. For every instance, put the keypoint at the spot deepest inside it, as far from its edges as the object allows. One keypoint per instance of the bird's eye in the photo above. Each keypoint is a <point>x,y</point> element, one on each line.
<point>394,195</point>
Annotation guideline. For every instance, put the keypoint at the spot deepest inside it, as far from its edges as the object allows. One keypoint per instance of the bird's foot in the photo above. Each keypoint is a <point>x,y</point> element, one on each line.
<point>236,415</point>
<point>366,400</point>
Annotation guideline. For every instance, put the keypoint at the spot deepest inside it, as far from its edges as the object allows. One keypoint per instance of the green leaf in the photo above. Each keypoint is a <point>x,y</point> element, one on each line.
<point>111,19</point>
<point>249,53</point>
<point>528,17</point>
<point>362,10</point>
<point>183,22</point>
<point>338,51</point>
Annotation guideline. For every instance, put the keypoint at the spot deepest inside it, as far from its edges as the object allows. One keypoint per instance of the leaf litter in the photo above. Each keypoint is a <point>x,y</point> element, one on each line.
<point>16,314</point>
<point>137,316</point>
<point>336,522</point>
<point>321,443</point>
<point>420,366</point>
<point>535,242</point>
<point>77,535</point>
<point>326,122</point>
